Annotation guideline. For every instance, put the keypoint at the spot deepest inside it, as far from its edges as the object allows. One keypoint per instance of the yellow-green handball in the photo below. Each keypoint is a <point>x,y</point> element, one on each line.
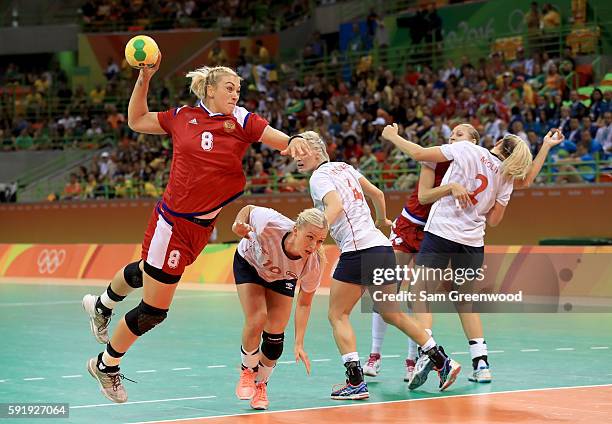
<point>141,52</point>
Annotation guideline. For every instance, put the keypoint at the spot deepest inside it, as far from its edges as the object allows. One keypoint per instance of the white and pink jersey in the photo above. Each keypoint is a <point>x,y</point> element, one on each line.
<point>354,229</point>
<point>265,252</point>
<point>479,171</point>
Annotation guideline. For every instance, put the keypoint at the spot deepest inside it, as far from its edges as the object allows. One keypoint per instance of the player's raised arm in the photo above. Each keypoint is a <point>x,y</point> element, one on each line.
<point>428,154</point>
<point>289,146</point>
<point>139,117</point>
<point>553,138</point>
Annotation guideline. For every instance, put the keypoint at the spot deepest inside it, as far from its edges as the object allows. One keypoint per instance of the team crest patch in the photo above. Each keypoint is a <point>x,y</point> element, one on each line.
<point>229,126</point>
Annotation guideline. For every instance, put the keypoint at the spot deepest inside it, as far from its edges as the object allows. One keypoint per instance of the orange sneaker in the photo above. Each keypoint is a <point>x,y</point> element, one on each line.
<point>260,399</point>
<point>245,389</point>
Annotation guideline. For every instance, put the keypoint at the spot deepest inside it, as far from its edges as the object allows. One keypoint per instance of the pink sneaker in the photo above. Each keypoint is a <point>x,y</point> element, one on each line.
<point>260,399</point>
<point>409,369</point>
<point>372,365</point>
<point>245,389</point>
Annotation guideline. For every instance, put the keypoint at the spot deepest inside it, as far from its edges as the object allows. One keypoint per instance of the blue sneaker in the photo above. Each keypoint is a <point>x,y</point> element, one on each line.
<point>349,392</point>
<point>448,374</point>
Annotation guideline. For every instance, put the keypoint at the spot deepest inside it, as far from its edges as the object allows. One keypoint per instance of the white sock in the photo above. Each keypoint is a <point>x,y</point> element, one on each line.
<point>478,347</point>
<point>351,356</point>
<point>412,349</point>
<point>263,373</point>
<point>107,301</point>
<point>379,327</point>
<point>429,344</point>
<point>249,359</point>
<point>110,361</point>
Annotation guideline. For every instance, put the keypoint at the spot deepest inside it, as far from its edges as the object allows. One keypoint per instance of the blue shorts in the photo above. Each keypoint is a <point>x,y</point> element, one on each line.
<point>244,272</point>
<point>436,252</point>
<point>359,267</point>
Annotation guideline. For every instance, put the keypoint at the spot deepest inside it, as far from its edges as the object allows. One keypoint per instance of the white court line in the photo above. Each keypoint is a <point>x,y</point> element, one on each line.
<point>181,369</point>
<point>3,381</point>
<point>321,360</point>
<point>389,356</point>
<point>285,362</point>
<point>377,403</point>
<point>99,405</point>
<point>458,353</point>
<point>599,347</point>
<point>530,350</point>
<point>33,378</point>
<point>74,302</point>
<point>565,348</point>
<point>216,366</point>
<point>496,351</point>
<point>72,376</point>
<point>145,371</point>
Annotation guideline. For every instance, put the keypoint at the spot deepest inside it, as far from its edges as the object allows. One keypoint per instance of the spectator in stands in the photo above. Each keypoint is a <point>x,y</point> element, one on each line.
<point>604,133</point>
<point>260,181</point>
<point>575,169</point>
<point>72,189</point>
<point>597,106</point>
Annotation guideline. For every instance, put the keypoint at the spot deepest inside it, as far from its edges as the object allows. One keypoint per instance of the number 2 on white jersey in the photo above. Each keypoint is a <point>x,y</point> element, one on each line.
<point>484,182</point>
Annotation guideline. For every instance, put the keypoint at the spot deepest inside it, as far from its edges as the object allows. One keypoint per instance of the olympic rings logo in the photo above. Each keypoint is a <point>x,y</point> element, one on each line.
<point>49,260</point>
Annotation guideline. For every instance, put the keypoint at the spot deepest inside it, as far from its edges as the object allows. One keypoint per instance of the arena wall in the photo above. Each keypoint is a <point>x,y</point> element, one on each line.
<point>533,215</point>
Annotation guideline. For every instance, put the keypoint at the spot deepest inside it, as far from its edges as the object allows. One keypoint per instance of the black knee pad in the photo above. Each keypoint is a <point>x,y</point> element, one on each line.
<point>133,275</point>
<point>144,317</point>
<point>272,345</point>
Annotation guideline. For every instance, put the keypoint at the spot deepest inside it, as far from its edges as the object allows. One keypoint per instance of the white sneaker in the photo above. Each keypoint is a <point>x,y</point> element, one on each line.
<point>481,375</point>
<point>410,364</point>
<point>110,383</point>
<point>97,322</point>
<point>372,365</point>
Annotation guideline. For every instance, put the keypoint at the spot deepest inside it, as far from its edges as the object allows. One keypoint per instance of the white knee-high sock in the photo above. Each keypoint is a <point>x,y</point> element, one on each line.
<point>379,328</point>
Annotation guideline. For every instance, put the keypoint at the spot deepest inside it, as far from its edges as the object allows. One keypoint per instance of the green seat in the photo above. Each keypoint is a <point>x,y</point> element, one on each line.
<point>586,91</point>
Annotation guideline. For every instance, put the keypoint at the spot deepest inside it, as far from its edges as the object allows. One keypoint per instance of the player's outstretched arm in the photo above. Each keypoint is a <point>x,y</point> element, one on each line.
<point>429,194</point>
<point>378,200</point>
<point>553,138</point>
<point>280,141</point>
<point>242,224</point>
<point>427,154</point>
<point>139,117</point>
<point>302,313</point>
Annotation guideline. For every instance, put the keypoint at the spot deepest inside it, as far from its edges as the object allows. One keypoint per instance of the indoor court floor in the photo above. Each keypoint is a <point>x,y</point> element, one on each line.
<point>546,367</point>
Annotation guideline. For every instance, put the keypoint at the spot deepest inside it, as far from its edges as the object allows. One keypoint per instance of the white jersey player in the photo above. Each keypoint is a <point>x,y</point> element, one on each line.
<point>274,255</point>
<point>340,191</point>
<point>456,235</point>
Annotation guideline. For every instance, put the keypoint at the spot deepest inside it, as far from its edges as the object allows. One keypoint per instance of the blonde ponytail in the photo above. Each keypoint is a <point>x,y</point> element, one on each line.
<point>317,218</point>
<point>205,76</point>
<point>517,156</point>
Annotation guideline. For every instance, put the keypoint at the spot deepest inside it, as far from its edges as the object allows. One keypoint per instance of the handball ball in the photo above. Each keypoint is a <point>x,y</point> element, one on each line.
<point>141,52</point>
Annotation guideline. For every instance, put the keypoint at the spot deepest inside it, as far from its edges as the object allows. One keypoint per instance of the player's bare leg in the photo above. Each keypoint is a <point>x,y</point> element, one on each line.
<point>279,311</point>
<point>100,308</point>
<point>253,301</point>
<point>153,309</point>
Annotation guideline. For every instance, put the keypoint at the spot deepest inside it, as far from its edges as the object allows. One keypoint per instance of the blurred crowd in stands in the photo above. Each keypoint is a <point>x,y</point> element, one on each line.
<point>526,96</point>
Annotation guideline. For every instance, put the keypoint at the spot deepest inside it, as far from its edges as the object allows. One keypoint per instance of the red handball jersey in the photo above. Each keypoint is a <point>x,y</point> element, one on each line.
<point>413,208</point>
<point>206,171</point>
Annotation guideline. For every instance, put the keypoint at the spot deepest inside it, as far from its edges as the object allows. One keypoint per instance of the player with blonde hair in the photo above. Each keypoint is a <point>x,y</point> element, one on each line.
<point>209,141</point>
<point>274,255</point>
<point>456,235</point>
<point>339,190</point>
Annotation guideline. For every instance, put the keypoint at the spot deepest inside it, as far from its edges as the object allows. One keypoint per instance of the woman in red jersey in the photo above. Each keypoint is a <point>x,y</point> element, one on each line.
<point>209,141</point>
